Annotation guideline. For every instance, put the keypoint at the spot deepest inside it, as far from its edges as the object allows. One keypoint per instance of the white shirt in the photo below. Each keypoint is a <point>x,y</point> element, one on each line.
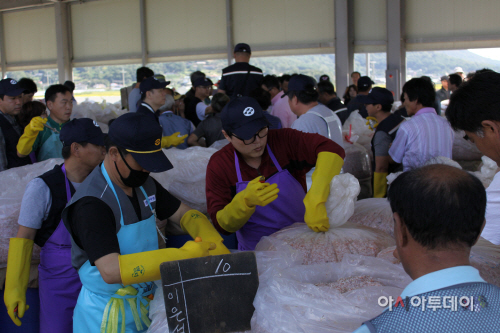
<point>491,230</point>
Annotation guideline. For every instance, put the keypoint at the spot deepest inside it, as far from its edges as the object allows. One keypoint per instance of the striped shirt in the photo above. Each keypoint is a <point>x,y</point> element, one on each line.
<point>424,136</point>
<point>240,78</point>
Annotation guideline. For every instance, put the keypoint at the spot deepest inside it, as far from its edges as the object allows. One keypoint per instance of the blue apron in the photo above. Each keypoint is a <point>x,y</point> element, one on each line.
<point>101,305</point>
<point>51,148</point>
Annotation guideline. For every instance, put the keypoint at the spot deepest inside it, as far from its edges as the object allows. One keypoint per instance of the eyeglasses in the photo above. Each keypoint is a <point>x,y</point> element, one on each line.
<point>261,134</point>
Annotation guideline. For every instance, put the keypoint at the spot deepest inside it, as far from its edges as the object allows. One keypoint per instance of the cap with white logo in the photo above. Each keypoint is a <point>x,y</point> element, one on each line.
<point>10,87</point>
<point>81,130</point>
<point>243,117</point>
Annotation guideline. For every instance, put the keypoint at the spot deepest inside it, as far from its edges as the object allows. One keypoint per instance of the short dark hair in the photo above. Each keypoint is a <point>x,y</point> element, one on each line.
<point>284,77</point>
<point>352,74</point>
<point>326,87</point>
<point>197,75</point>
<point>421,90</point>
<point>66,150</point>
<point>28,84</point>
<point>440,205</point>
<point>219,101</point>
<point>53,90</point>
<point>475,101</point>
<point>143,73</point>
<point>271,81</point>
<point>70,85</point>
<point>262,97</point>
<point>386,107</point>
<point>309,95</point>
<point>29,110</point>
<point>455,79</point>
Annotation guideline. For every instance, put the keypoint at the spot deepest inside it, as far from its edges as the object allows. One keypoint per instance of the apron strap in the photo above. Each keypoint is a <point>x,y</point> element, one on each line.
<point>237,164</point>
<point>110,183</point>
<point>68,190</point>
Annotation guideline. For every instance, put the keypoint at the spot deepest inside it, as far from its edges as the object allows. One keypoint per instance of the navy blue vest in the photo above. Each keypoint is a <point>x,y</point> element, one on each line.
<point>57,186</point>
<point>11,138</point>
<point>390,126</point>
<point>484,317</point>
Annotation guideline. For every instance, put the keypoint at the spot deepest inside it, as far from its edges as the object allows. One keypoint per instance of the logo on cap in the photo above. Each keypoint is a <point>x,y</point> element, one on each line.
<point>96,124</point>
<point>13,82</point>
<point>249,111</point>
<point>157,142</point>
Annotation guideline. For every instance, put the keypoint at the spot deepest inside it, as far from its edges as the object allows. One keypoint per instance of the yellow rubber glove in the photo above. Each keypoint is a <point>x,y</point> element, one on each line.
<point>238,211</point>
<point>372,122</point>
<point>145,266</point>
<point>328,165</point>
<point>17,277</point>
<point>379,184</point>
<point>197,225</point>
<point>172,140</point>
<point>26,141</point>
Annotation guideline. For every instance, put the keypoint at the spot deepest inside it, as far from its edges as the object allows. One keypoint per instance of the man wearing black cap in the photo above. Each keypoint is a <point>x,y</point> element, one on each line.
<point>443,93</point>
<point>10,131</point>
<point>40,222</point>
<point>239,200</point>
<point>240,78</point>
<point>364,87</point>
<point>153,96</point>
<point>196,109</point>
<point>112,222</point>
<point>378,105</point>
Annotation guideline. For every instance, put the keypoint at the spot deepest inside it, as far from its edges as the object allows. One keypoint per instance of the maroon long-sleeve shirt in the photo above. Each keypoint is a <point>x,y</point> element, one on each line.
<point>295,151</point>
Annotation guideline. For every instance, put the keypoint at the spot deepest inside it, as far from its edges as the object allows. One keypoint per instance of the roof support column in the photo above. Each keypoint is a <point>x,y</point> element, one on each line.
<point>2,47</point>
<point>396,46</point>
<point>344,45</point>
<point>144,41</point>
<point>63,36</point>
<point>229,31</point>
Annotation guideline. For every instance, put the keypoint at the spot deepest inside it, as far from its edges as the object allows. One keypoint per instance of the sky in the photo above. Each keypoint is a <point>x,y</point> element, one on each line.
<point>492,53</point>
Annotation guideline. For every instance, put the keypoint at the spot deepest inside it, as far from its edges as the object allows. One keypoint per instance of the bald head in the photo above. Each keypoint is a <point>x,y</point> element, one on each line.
<point>441,206</point>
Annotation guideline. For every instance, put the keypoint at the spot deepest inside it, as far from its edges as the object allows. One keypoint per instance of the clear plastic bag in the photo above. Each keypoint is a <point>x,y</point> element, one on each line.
<point>485,256</point>
<point>14,183</point>
<point>375,213</point>
<point>464,150</point>
<point>100,112</point>
<point>388,254</point>
<point>330,246</point>
<point>292,302</point>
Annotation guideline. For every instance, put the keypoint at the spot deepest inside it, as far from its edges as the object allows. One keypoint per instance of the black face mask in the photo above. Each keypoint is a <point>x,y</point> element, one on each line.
<point>135,178</point>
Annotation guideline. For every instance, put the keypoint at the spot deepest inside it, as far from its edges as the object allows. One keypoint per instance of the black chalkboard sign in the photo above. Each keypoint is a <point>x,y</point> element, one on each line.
<point>211,294</point>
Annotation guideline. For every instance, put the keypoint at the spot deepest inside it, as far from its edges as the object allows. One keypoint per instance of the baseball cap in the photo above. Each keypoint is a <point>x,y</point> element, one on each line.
<point>161,78</point>
<point>202,82</point>
<point>242,47</point>
<point>243,117</point>
<point>365,82</point>
<point>10,87</point>
<point>140,135</point>
<point>81,130</point>
<point>458,70</point>
<point>152,83</point>
<point>301,82</point>
<point>324,77</point>
<point>444,78</point>
<point>377,96</point>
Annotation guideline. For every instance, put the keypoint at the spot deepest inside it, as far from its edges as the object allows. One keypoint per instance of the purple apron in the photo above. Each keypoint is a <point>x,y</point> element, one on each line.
<point>59,283</point>
<point>287,209</point>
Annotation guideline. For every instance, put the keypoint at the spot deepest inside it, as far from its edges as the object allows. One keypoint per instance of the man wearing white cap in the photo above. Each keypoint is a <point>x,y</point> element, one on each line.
<point>459,71</point>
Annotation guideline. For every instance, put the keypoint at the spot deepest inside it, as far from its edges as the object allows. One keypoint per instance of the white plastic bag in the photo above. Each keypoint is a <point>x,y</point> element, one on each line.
<point>13,183</point>
<point>464,150</point>
<point>292,302</point>
<point>374,213</point>
<point>344,190</point>
<point>485,256</point>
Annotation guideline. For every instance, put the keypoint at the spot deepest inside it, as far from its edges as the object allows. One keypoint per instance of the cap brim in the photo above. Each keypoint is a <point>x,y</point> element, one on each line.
<point>15,92</point>
<point>153,162</point>
<point>248,130</point>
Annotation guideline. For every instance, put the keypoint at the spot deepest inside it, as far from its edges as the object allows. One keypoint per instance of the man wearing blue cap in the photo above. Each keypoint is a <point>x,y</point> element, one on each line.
<point>378,104</point>
<point>112,222</point>
<point>240,78</point>
<point>10,131</point>
<point>364,87</point>
<point>240,201</point>
<point>196,109</point>
<point>40,223</point>
<point>153,96</point>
